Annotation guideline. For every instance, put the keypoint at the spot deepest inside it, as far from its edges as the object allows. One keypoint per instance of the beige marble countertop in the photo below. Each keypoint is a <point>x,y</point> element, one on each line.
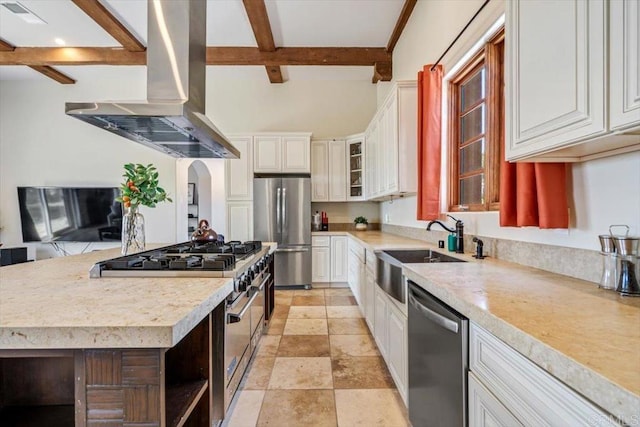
<point>586,337</point>
<point>53,304</point>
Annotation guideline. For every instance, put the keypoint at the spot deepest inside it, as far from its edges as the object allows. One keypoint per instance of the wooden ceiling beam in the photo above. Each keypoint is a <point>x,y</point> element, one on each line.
<point>110,24</point>
<point>259,19</point>
<point>50,72</point>
<point>5,46</point>
<point>54,74</point>
<point>358,56</point>
<point>400,24</point>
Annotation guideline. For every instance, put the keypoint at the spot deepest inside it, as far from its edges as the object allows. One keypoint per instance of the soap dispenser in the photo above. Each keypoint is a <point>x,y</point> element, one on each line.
<point>451,242</point>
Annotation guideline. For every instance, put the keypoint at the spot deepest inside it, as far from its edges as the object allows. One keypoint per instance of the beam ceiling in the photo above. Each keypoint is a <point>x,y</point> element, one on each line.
<point>257,14</point>
<point>44,69</point>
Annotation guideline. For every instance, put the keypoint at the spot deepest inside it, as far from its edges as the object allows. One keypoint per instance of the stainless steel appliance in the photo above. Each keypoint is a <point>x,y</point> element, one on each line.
<point>282,214</point>
<point>173,119</point>
<point>438,361</point>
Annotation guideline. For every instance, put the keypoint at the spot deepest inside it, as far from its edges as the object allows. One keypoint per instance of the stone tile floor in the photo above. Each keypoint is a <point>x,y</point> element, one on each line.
<point>317,365</point>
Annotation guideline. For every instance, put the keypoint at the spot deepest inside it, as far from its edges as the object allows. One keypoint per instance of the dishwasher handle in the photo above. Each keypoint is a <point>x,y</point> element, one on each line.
<point>436,318</point>
<point>235,318</point>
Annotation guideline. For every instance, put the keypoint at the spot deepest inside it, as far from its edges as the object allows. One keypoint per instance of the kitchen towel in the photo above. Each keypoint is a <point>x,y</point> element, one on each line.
<point>429,140</point>
<point>533,195</point>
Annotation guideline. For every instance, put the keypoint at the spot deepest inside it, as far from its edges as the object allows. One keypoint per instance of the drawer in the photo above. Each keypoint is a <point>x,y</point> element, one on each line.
<point>530,393</point>
<point>320,240</point>
<point>357,250</point>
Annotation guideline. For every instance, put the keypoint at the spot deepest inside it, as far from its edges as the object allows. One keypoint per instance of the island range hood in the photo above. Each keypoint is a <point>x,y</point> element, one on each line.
<point>172,119</point>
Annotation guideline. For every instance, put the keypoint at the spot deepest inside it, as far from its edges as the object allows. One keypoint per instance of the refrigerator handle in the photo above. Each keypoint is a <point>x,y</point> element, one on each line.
<point>284,208</point>
<point>278,210</point>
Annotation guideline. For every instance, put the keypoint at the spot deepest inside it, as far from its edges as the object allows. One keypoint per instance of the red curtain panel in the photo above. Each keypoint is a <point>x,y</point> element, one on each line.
<point>429,140</point>
<point>533,195</point>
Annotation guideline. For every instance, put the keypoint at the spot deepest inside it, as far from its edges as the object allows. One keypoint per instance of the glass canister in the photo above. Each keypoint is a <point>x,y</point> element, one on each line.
<point>609,278</point>
<point>628,265</point>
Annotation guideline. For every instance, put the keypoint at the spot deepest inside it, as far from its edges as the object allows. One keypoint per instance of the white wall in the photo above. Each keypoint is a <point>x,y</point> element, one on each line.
<point>40,145</point>
<point>602,192</point>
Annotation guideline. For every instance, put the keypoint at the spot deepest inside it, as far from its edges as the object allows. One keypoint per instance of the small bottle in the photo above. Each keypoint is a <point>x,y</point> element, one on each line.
<point>451,242</point>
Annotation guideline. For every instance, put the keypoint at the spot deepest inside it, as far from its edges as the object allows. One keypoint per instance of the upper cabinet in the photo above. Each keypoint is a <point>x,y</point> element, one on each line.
<point>557,103</point>
<point>355,167</point>
<point>328,171</point>
<point>282,153</point>
<point>391,161</point>
<point>624,64</point>
<point>239,172</point>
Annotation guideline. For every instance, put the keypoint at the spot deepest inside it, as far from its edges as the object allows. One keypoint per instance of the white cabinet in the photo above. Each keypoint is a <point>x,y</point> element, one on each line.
<point>319,171</point>
<point>485,410</point>
<point>369,299</point>
<point>380,321</point>
<point>329,259</point>
<point>355,167</point>
<point>556,90</point>
<point>328,171</point>
<point>624,64</point>
<point>320,264</point>
<point>527,391</point>
<point>397,355</point>
<point>283,153</point>
<point>339,252</point>
<point>356,274</point>
<point>320,259</point>
<point>391,138</point>
<point>240,220</point>
<point>239,172</point>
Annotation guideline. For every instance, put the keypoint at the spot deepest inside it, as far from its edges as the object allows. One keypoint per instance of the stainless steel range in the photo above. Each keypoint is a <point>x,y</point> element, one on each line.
<point>250,266</point>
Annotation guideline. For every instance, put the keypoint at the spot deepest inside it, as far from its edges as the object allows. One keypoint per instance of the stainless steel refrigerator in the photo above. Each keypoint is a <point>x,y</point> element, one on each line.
<point>282,214</point>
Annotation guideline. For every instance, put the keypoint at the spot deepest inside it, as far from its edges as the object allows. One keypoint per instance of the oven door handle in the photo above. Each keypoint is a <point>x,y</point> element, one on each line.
<point>235,318</point>
<point>436,318</point>
<point>264,282</point>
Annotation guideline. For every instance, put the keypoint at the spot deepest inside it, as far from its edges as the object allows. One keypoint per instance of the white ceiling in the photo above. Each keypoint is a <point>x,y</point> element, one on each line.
<point>294,23</point>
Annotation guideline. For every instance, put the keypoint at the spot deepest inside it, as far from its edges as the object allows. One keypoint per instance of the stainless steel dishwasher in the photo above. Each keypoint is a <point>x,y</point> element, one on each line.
<point>438,362</point>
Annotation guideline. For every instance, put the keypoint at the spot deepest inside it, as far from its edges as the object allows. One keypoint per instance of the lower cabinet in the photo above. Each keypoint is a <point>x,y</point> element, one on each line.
<point>381,321</point>
<point>531,394</point>
<point>485,410</point>
<point>321,264</point>
<point>329,259</point>
<point>240,220</point>
<point>397,355</point>
<point>368,299</point>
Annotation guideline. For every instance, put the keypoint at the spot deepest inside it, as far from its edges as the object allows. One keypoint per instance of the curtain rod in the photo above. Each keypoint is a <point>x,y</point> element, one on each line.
<point>459,34</point>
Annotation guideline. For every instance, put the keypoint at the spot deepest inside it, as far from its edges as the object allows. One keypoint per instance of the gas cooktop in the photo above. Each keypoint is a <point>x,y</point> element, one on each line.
<point>189,259</point>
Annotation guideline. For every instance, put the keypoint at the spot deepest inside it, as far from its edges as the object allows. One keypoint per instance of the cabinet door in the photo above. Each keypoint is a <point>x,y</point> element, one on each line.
<point>555,85</point>
<point>240,220</point>
<point>355,168</point>
<point>371,162</point>
<point>369,300</point>
<point>391,146</point>
<point>337,171</point>
<point>397,351</point>
<point>267,154</point>
<point>380,322</point>
<point>339,258</point>
<point>321,265</point>
<point>239,172</point>
<point>485,410</point>
<point>295,154</point>
<point>319,171</point>
<point>353,274</point>
<point>624,63</point>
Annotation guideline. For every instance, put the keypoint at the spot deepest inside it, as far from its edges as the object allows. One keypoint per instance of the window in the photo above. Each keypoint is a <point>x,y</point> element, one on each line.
<point>476,130</point>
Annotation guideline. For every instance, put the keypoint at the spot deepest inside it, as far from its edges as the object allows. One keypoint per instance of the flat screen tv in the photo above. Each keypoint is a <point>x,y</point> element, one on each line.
<point>67,214</point>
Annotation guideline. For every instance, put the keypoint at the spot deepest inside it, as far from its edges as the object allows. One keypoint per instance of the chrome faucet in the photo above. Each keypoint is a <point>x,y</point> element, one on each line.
<point>459,230</point>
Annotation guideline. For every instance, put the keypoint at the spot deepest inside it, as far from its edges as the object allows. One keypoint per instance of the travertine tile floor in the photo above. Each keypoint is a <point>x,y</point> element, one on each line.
<point>317,365</point>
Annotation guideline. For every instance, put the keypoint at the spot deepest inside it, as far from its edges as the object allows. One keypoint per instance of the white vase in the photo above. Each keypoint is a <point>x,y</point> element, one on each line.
<point>133,238</point>
<point>361,227</point>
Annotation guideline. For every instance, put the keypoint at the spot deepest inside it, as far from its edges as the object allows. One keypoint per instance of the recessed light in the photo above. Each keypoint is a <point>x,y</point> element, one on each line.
<point>22,12</point>
<point>59,41</point>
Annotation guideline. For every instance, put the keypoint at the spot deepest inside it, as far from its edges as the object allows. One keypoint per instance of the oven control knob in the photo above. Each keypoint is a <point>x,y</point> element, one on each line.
<point>242,283</point>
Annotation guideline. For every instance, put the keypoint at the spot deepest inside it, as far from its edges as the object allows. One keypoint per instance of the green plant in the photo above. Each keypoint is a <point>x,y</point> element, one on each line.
<point>360,220</point>
<point>141,187</point>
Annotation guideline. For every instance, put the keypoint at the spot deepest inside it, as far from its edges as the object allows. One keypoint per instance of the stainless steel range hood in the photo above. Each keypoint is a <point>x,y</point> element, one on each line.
<point>172,120</point>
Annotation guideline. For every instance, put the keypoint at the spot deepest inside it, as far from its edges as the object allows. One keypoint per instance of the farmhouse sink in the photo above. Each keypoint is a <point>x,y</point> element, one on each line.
<point>390,268</point>
<point>420,256</point>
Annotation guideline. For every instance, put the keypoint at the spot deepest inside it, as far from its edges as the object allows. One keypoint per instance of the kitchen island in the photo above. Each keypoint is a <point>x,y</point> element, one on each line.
<point>586,337</point>
<point>130,351</point>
